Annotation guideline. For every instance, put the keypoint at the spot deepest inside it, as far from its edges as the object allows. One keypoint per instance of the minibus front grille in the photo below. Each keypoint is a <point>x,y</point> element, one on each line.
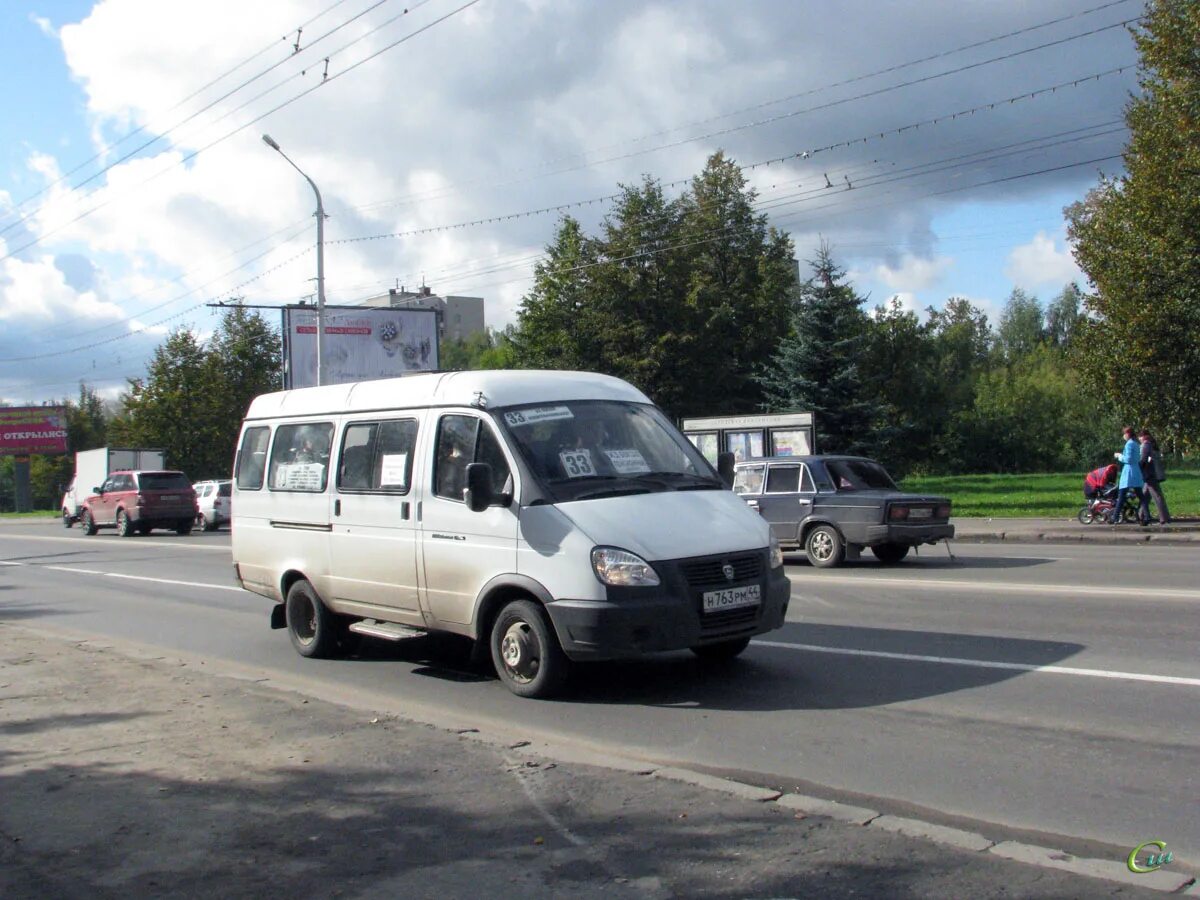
<point>711,572</point>
<point>729,621</point>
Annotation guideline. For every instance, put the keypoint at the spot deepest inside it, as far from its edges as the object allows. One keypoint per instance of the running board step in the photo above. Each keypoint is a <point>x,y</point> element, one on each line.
<point>389,631</point>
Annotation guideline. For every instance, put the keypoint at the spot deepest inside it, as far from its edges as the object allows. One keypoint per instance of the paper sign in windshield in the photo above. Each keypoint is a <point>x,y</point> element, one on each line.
<point>300,477</point>
<point>395,470</point>
<point>627,462</point>
<point>577,463</point>
<point>533,416</point>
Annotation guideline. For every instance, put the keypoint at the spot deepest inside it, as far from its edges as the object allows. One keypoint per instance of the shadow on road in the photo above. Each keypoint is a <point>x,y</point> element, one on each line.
<point>764,678</point>
<point>930,559</point>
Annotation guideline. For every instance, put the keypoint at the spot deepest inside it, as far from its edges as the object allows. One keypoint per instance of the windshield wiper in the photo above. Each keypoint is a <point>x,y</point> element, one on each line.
<point>703,480</point>
<point>611,492</point>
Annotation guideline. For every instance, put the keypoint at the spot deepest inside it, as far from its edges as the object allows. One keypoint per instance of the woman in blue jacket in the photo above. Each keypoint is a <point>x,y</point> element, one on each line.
<point>1131,479</point>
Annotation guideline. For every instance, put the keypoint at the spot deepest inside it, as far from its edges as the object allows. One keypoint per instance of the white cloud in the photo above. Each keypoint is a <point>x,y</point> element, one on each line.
<point>1041,263</point>
<point>44,25</point>
<point>913,274</point>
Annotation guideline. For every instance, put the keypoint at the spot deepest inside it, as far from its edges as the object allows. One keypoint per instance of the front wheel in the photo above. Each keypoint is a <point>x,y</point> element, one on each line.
<point>183,526</point>
<point>890,554</point>
<point>310,625</point>
<point>1086,516</point>
<point>205,523</point>
<point>525,651</point>
<point>87,523</point>
<point>67,520</point>
<point>824,547</point>
<point>722,651</point>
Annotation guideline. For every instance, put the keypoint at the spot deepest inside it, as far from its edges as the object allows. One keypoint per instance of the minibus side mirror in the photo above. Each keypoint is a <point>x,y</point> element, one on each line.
<point>725,468</point>
<point>97,490</point>
<point>479,494</point>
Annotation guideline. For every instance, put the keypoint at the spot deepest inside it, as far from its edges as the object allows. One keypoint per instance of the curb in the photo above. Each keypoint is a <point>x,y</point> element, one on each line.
<point>1068,537</point>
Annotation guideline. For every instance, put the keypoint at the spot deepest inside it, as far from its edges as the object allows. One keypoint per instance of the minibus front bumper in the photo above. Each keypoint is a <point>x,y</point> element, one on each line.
<point>631,622</point>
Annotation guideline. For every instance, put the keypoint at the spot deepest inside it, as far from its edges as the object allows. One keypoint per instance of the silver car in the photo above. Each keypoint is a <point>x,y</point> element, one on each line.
<point>213,502</point>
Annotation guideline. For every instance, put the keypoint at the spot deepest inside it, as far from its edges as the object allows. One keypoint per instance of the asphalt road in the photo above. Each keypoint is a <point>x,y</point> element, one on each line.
<point>1052,691</point>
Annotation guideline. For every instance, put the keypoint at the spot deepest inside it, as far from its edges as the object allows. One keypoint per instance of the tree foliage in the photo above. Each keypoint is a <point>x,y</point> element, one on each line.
<point>194,396</point>
<point>683,297</point>
<point>1137,237</point>
<point>816,367</point>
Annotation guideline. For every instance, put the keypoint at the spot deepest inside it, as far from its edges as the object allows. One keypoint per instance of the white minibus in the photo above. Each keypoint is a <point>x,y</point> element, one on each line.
<point>549,516</point>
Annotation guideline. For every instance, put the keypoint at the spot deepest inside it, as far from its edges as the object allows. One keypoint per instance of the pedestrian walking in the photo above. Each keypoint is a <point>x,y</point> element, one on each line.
<point>1131,479</point>
<point>1154,473</point>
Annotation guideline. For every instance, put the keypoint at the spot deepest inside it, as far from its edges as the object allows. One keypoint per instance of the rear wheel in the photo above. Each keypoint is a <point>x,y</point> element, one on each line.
<point>891,553</point>
<point>825,547</point>
<point>311,626</point>
<point>206,524</point>
<point>87,523</point>
<point>144,527</point>
<point>525,651</point>
<point>722,651</point>
<point>67,520</point>
<point>183,526</point>
<point>125,528</point>
<point>1086,516</point>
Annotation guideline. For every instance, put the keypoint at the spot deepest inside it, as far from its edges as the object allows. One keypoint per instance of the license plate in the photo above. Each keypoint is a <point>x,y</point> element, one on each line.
<point>732,598</point>
<point>169,498</point>
<point>920,513</point>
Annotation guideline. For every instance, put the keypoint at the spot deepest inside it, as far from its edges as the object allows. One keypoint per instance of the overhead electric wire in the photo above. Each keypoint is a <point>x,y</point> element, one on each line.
<point>141,128</point>
<point>193,154</point>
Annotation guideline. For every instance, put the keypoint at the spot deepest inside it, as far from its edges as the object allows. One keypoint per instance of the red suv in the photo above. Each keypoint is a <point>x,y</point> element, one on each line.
<point>135,502</point>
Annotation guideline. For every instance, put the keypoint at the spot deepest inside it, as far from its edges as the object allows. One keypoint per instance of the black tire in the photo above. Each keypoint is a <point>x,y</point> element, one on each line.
<point>204,523</point>
<point>312,628</point>
<point>525,651</point>
<point>87,523</point>
<point>1130,513</point>
<point>183,526</point>
<point>1086,516</point>
<point>824,547</point>
<point>890,554</point>
<point>722,651</point>
<point>67,520</point>
<point>125,528</point>
<point>144,527</point>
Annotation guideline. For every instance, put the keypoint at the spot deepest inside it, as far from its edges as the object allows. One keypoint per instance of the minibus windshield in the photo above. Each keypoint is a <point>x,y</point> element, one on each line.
<point>587,449</point>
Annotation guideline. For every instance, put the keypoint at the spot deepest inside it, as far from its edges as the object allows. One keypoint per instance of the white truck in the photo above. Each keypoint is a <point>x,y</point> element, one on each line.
<point>92,468</point>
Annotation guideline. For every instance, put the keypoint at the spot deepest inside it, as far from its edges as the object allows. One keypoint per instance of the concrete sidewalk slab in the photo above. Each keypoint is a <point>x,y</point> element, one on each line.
<point>1069,530</point>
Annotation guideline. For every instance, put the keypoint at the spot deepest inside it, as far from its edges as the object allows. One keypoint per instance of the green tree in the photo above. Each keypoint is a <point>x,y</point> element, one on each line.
<point>816,367</point>
<point>1137,236</point>
<point>684,297</point>
<point>1022,326</point>
<point>1063,315</point>
<point>961,345</point>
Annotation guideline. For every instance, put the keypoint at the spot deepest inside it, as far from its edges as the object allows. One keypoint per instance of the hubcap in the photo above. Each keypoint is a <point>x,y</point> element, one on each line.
<point>518,650</point>
<point>822,545</point>
<point>306,622</point>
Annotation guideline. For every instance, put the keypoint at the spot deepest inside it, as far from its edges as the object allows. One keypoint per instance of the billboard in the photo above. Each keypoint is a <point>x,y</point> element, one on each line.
<point>32,429</point>
<point>361,344</point>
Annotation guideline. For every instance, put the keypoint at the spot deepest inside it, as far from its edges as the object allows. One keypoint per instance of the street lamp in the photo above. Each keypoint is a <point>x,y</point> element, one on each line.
<point>270,142</point>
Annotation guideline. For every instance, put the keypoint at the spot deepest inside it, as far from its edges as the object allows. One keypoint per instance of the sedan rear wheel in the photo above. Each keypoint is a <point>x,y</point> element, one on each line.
<point>825,547</point>
<point>890,553</point>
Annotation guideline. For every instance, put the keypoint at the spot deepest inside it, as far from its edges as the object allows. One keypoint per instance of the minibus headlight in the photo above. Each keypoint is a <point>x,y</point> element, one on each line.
<point>776,552</point>
<point>621,568</point>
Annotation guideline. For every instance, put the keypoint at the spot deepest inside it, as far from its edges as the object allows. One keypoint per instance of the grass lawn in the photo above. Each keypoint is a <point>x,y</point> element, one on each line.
<point>1043,495</point>
<point>39,513</point>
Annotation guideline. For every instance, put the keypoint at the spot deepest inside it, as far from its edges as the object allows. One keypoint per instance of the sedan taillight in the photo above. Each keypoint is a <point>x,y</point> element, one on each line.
<point>898,513</point>
<point>943,511</point>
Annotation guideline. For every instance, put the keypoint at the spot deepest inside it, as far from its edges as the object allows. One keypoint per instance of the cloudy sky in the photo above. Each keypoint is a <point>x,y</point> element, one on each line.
<point>932,143</point>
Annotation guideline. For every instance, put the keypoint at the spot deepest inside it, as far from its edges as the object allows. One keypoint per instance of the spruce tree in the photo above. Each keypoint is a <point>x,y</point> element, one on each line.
<point>816,367</point>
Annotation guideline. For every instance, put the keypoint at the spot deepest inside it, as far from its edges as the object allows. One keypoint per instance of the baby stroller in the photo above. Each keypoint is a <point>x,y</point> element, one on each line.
<point>1100,507</point>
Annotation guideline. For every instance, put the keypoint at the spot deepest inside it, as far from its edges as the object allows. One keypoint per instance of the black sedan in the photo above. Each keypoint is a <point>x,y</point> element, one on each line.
<point>834,506</point>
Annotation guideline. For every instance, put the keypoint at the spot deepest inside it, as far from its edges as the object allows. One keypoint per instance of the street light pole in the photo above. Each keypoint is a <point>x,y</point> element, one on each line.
<point>270,142</point>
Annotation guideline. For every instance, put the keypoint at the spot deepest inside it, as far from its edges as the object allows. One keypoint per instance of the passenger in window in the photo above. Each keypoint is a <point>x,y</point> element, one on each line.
<point>452,469</point>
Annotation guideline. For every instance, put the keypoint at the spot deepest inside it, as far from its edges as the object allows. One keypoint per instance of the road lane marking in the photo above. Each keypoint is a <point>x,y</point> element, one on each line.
<point>114,540</point>
<point>194,584</point>
<point>984,663</point>
<point>199,584</point>
<point>1139,591</point>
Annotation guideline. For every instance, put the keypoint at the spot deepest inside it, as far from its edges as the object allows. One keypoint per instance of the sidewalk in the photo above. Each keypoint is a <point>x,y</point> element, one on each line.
<point>123,774</point>
<point>1069,530</point>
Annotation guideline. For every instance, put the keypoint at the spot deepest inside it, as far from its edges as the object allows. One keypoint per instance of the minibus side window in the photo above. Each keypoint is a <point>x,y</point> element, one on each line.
<point>377,456</point>
<point>300,457</point>
<point>252,459</point>
<point>462,440</point>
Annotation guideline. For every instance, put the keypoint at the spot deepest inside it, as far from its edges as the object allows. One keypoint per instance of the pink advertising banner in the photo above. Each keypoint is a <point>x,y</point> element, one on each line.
<point>32,429</point>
